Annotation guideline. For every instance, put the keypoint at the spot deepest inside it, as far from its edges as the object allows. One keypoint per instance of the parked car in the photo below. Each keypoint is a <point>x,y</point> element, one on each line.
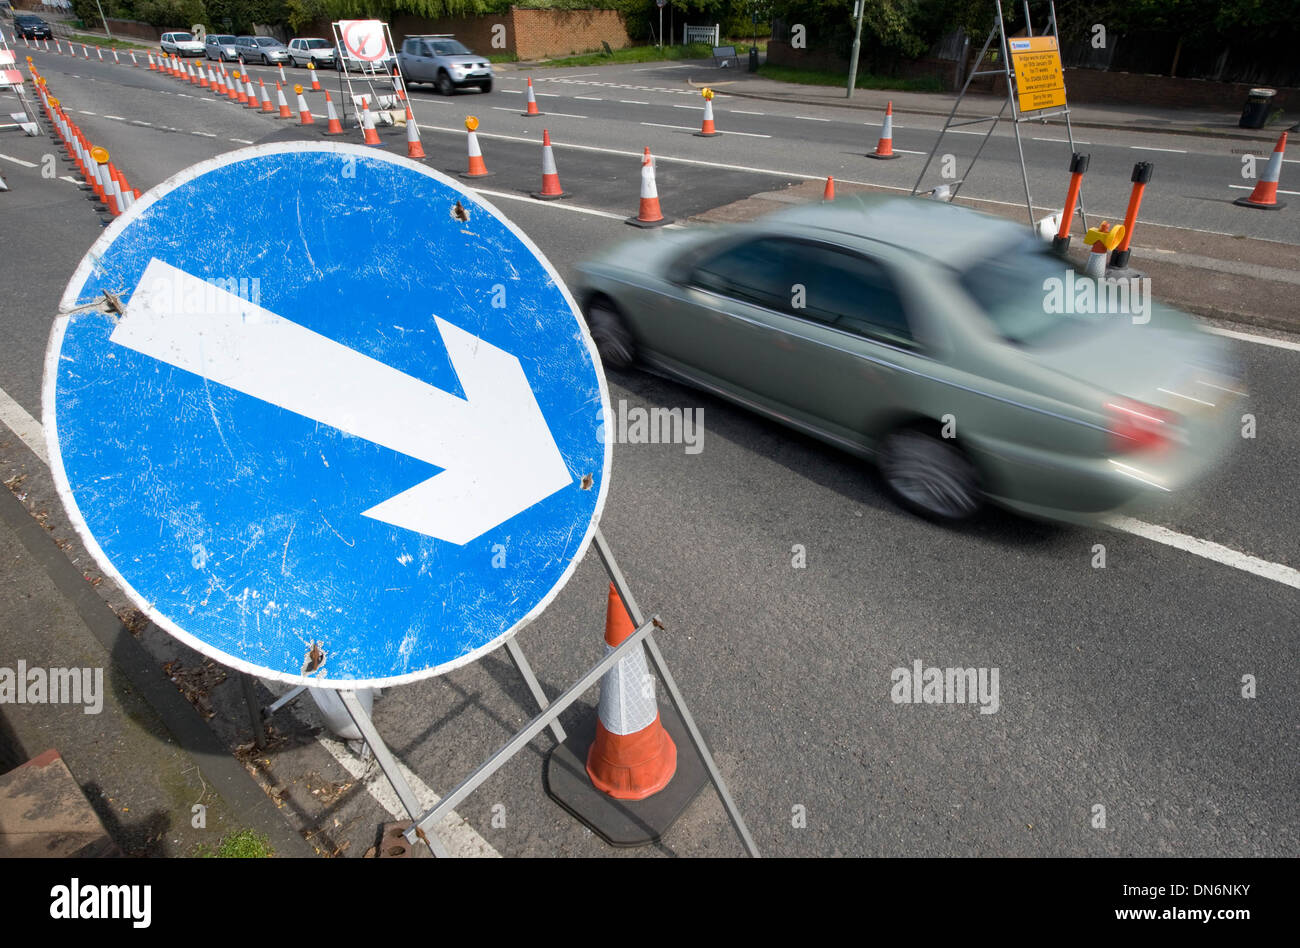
<point>32,27</point>
<point>384,64</point>
<point>923,336</point>
<point>261,49</point>
<point>442,60</point>
<point>221,47</point>
<point>305,49</point>
<point>181,44</point>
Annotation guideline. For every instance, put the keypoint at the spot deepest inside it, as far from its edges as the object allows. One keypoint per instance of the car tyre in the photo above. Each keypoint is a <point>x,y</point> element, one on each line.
<point>486,86</point>
<point>445,86</point>
<point>610,333</point>
<point>930,475</point>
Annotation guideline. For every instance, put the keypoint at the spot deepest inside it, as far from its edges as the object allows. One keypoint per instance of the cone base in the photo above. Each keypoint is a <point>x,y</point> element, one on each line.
<point>637,222</point>
<point>548,197</point>
<point>872,154</point>
<point>1247,202</point>
<point>335,132</point>
<point>623,823</point>
<point>484,174</point>
<point>706,134</point>
<point>531,114</point>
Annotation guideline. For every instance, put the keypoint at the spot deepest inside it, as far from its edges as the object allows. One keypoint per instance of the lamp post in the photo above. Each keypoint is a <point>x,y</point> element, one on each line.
<point>103,19</point>
<point>858,10</point>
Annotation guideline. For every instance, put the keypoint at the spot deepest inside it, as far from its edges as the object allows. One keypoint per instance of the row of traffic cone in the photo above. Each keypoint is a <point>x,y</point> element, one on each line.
<point>109,184</point>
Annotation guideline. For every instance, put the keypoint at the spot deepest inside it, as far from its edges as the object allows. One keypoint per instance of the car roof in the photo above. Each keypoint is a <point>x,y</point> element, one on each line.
<point>947,233</point>
<point>432,36</point>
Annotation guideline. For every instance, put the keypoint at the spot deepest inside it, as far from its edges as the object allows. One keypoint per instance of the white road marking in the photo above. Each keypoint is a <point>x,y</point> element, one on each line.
<point>19,161</point>
<point>810,118</point>
<point>242,141</point>
<point>1175,151</point>
<point>961,131</point>
<point>1250,187</point>
<point>907,152</point>
<point>581,75</point>
<point>1258,340</point>
<point>84,112</point>
<point>743,112</point>
<point>116,118</point>
<point>632,102</point>
<point>513,91</point>
<point>698,108</point>
<point>692,128</point>
<point>653,68</point>
<point>138,122</point>
<point>27,428</point>
<point>1277,572</point>
<point>560,205</point>
<point>1063,141</point>
<point>590,98</point>
<point>204,134</point>
<point>546,95</point>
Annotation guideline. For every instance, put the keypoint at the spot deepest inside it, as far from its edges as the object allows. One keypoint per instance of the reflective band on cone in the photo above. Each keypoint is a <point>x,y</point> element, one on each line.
<point>550,176</point>
<point>885,147</point>
<point>532,111</point>
<point>335,127</point>
<point>649,214</point>
<point>368,133</point>
<point>1264,196</point>
<point>282,102</point>
<point>414,149</point>
<point>632,756</point>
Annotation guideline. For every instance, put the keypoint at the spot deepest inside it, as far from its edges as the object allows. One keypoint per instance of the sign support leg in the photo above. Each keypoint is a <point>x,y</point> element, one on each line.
<point>526,672</point>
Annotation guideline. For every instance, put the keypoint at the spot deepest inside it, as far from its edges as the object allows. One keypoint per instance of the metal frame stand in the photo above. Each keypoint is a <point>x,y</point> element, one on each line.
<point>424,820</point>
<point>368,74</point>
<point>999,30</point>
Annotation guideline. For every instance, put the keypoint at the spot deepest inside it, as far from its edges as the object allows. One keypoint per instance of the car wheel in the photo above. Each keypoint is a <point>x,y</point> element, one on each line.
<point>444,84</point>
<point>930,475</point>
<point>609,332</point>
<point>486,87</point>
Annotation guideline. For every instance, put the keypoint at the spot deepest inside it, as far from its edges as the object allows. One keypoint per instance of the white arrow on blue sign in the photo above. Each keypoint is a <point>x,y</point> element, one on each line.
<point>346,427</point>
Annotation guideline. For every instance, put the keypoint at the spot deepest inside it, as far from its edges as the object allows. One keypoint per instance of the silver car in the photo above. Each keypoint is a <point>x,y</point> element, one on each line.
<point>440,59</point>
<point>262,49</point>
<point>180,44</point>
<point>221,48</point>
<point>311,49</point>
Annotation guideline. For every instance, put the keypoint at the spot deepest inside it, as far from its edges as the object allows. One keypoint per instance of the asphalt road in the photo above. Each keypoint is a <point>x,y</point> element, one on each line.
<point>1118,686</point>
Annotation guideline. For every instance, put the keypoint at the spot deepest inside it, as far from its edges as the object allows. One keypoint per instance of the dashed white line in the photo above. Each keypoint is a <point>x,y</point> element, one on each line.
<point>1277,572</point>
<point>242,141</point>
<point>698,108</point>
<point>204,134</point>
<point>744,112</point>
<point>546,95</point>
<point>632,102</point>
<point>503,108</point>
<point>692,128</point>
<point>811,118</point>
<point>84,112</point>
<point>138,122</point>
<point>1258,340</point>
<point>589,98</point>
<point>513,91</point>
<point>116,118</point>
<point>907,152</point>
<point>19,161</point>
<point>1062,141</point>
<point>1174,151</point>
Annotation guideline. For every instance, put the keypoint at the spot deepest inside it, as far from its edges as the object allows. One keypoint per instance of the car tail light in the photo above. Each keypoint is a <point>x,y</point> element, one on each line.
<point>1138,427</point>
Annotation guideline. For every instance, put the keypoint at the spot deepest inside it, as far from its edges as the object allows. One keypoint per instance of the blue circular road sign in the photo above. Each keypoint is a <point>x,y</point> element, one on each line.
<point>326,416</point>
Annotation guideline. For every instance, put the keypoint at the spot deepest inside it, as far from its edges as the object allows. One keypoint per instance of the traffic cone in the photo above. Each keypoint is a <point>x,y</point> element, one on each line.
<point>253,102</point>
<point>398,86</point>
<point>304,113</point>
<point>532,111</point>
<point>233,87</point>
<point>100,51</point>
<point>1102,239</point>
<point>315,83</point>
<point>414,149</point>
<point>551,189</point>
<point>828,195</point>
<point>282,103</point>
<point>116,60</point>
<point>153,66</point>
<point>370,136</point>
<point>335,127</point>
<point>282,78</point>
<point>885,147</point>
<point>134,62</point>
<point>266,97</point>
<point>217,82</point>
<point>203,77</point>
<point>1264,196</point>
<point>632,756</point>
<point>649,214</point>
<point>706,127</point>
<point>477,169</point>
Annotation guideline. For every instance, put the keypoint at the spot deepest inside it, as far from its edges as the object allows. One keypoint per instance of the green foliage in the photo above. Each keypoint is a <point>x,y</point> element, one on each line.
<point>174,14</point>
<point>244,844</point>
<point>636,54</point>
<point>818,77</point>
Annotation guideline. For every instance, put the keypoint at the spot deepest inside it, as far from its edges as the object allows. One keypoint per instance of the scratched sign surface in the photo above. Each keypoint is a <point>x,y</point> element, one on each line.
<point>344,425</point>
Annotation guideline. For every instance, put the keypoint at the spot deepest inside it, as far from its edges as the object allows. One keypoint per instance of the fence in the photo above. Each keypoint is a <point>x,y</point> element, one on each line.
<point>701,34</point>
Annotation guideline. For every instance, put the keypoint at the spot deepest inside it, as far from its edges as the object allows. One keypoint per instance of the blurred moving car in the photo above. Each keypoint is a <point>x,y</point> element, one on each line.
<point>305,49</point>
<point>221,47</point>
<point>261,49</point>
<point>180,44</point>
<point>937,341</point>
<point>32,27</point>
<point>443,61</point>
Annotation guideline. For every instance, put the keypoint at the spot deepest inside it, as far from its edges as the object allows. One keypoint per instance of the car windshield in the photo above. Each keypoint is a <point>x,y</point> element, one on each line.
<point>181,37</point>
<point>225,40</point>
<point>317,44</point>
<point>450,48</point>
<point>1015,292</point>
<point>266,41</point>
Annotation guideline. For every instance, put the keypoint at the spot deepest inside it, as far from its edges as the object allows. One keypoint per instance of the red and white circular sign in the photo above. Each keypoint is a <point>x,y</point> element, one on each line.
<point>364,39</point>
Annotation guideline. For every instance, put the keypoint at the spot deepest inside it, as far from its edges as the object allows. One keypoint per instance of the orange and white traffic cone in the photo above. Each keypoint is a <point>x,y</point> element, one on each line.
<point>414,149</point>
<point>282,78</point>
<point>828,195</point>
<point>282,102</point>
<point>203,77</point>
<point>335,127</point>
<point>217,82</point>
<point>531,111</point>
<point>477,169</point>
<point>706,127</point>
<point>885,147</point>
<point>266,97</point>
<point>134,62</point>
<point>1264,196</point>
<point>632,757</point>
<point>253,102</point>
<point>153,66</point>
<point>315,83</point>
<point>399,86</point>
<point>551,189</point>
<point>649,214</point>
<point>369,135</point>
<point>234,88</point>
<point>304,113</point>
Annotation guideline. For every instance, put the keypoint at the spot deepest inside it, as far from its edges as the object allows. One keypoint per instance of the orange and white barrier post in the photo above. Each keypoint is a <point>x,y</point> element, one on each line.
<point>633,756</point>
<point>706,126</point>
<point>414,147</point>
<point>531,110</point>
<point>885,147</point>
<point>551,189</point>
<point>1141,178</point>
<point>282,103</point>
<point>368,133</point>
<point>649,214</point>
<point>1078,167</point>
<point>304,113</point>
<point>1264,196</point>
<point>335,127</point>
<point>477,169</point>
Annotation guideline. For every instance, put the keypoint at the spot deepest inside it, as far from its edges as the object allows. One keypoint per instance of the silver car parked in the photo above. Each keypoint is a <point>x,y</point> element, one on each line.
<point>441,60</point>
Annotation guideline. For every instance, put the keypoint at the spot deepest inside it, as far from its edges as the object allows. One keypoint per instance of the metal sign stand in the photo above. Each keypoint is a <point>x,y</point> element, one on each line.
<point>424,820</point>
<point>999,30</point>
<point>28,121</point>
<point>369,75</point>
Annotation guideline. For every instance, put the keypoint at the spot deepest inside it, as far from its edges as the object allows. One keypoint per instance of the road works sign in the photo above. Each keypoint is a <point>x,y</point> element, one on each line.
<point>1040,84</point>
<point>341,423</point>
<point>364,39</point>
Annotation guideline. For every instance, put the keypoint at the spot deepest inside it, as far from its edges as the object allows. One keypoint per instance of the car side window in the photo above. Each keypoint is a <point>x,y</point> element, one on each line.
<point>850,292</point>
<point>753,271</point>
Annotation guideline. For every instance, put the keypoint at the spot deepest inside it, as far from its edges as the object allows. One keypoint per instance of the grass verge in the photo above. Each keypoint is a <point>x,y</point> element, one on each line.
<point>93,41</point>
<point>244,844</point>
<point>819,77</point>
<point>635,54</point>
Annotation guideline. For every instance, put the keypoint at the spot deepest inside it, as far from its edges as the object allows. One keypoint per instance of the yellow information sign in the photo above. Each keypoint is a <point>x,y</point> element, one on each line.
<point>1040,83</point>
